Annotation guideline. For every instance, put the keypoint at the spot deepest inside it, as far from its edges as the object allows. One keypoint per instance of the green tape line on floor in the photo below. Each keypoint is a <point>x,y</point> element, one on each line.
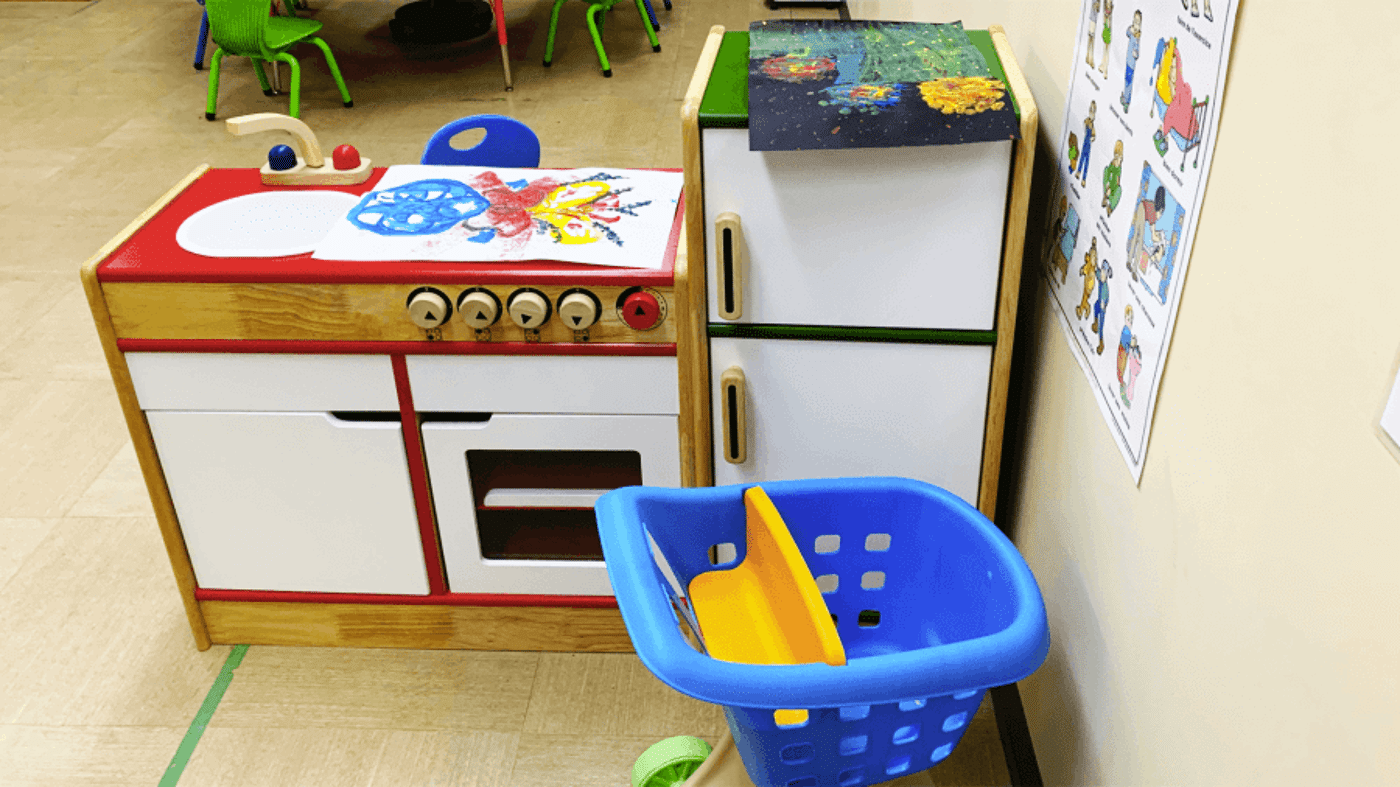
<point>201,719</point>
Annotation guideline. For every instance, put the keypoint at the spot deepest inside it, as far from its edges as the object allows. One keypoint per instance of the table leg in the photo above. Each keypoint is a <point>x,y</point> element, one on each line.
<point>498,6</point>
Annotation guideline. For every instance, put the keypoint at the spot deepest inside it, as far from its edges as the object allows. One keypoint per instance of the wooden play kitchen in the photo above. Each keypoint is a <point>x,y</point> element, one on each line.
<point>401,453</point>
<point>382,453</point>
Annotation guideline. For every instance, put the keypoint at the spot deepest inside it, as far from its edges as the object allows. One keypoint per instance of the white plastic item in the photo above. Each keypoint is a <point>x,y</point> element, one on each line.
<point>875,237</point>
<point>445,444</point>
<point>639,385</point>
<point>265,224</point>
<point>292,501</point>
<point>823,409</point>
<point>263,381</point>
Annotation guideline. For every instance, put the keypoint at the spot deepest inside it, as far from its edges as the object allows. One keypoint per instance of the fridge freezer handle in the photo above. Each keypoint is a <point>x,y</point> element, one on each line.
<point>732,392</point>
<point>729,265</point>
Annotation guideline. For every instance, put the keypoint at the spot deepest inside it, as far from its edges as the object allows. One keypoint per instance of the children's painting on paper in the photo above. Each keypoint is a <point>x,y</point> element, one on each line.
<point>470,214</point>
<point>822,84</point>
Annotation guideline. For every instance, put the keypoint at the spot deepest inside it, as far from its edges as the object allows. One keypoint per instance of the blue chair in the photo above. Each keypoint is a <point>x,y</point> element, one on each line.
<point>203,40</point>
<point>651,13</point>
<point>508,143</point>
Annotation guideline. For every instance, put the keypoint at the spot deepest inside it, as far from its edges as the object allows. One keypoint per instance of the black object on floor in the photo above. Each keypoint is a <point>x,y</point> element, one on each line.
<point>440,21</point>
<point>1015,735</point>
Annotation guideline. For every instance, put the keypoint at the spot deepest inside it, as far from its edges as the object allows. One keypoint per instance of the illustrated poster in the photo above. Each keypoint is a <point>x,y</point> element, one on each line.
<point>1141,117</point>
<point>614,217</point>
<point>822,84</point>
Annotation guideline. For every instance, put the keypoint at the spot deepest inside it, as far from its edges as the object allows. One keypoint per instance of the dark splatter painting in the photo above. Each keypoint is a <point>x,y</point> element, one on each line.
<point>816,85</point>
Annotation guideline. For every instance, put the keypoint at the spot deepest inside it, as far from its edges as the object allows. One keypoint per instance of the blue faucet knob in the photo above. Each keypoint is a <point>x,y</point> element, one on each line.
<point>281,158</point>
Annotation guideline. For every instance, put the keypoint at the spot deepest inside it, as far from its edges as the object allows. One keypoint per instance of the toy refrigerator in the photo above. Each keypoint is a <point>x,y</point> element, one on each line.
<point>858,303</point>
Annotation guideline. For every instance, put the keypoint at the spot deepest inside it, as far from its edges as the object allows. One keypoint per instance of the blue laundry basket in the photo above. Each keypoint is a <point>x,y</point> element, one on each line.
<point>932,603</point>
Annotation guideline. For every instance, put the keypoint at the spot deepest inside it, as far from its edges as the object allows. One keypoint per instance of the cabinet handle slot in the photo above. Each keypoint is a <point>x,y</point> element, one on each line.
<point>365,416</point>
<point>464,417</point>
<point>732,390</point>
<point>729,241</point>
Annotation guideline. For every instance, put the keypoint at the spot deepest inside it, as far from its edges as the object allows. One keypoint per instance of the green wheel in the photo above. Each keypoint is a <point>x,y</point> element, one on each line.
<point>670,762</point>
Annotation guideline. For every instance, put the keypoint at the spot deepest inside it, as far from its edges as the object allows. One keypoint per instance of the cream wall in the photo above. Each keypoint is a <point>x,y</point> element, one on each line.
<point>1235,619</point>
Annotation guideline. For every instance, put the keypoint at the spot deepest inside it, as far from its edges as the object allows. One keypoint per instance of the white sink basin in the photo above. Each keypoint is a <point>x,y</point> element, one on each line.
<point>267,224</point>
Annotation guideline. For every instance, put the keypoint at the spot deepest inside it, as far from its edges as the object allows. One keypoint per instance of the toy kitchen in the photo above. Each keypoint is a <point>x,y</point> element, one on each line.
<point>373,406</point>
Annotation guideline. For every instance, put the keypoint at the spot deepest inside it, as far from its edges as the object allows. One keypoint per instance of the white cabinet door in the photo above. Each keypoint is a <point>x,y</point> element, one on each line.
<point>521,485</point>
<point>887,237</point>
<point>292,501</point>
<point>822,409</point>
<point>544,384</point>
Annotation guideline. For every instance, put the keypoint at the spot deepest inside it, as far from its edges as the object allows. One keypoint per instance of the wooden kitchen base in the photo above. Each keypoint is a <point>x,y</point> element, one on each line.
<point>415,626</point>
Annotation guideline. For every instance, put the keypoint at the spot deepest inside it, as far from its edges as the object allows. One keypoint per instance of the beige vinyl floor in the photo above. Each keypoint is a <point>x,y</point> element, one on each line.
<point>101,112</point>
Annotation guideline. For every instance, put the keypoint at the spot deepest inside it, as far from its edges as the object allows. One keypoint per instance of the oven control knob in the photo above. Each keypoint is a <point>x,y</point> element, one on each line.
<point>479,309</point>
<point>641,311</point>
<point>528,309</point>
<point>578,310</point>
<point>428,308</point>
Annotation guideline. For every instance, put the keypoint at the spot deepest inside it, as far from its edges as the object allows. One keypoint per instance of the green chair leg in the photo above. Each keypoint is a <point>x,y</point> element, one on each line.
<point>295,80</point>
<point>553,26</point>
<point>262,77</point>
<point>213,83</point>
<point>593,12</point>
<point>335,70</point>
<point>651,31</point>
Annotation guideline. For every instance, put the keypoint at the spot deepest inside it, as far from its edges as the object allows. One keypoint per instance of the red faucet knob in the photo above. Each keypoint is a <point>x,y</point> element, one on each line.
<point>345,157</point>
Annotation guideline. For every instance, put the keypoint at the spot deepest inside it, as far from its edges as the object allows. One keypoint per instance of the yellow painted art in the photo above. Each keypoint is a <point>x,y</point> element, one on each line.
<point>963,95</point>
<point>767,609</point>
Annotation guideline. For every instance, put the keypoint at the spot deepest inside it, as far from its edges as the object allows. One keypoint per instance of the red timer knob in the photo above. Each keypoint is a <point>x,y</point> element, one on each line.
<point>641,311</point>
<point>345,157</point>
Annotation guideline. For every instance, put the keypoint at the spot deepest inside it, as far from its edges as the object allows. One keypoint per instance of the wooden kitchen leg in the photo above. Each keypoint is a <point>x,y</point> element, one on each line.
<point>136,420</point>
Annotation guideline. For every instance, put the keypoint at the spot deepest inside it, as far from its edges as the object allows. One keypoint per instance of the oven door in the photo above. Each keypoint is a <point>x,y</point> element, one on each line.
<point>514,494</point>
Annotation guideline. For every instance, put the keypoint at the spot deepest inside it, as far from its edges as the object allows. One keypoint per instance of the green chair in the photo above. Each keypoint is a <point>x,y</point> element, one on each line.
<point>246,28</point>
<point>595,11</point>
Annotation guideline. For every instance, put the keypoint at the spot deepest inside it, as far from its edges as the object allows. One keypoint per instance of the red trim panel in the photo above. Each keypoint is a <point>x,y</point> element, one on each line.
<point>153,255</point>
<point>448,599</point>
<point>393,348</point>
<point>418,476</point>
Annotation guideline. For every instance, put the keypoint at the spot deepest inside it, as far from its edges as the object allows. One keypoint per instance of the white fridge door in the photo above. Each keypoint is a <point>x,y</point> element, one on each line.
<point>823,409</point>
<point>292,501</point>
<point>887,237</point>
<point>464,503</point>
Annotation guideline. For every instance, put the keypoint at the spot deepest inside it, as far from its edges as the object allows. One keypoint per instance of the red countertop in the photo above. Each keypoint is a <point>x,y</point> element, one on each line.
<point>152,255</point>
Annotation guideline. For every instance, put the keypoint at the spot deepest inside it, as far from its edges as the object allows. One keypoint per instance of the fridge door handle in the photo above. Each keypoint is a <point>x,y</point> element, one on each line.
<point>730,262</point>
<point>732,385</point>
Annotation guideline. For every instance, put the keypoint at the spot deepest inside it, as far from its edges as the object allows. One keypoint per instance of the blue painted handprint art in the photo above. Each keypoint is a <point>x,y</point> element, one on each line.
<point>423,207</point>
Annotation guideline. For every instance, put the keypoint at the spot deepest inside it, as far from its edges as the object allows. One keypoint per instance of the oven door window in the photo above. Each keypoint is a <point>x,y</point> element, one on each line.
<point>538,505</point>
<point>513,494</point>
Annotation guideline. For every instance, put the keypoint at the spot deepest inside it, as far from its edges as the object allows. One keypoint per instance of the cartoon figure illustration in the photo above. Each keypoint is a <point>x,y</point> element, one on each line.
<point>1093,26</point>
<point>1183,119</point>
<point>1073,151</point>
<point>1134,49</point>
<point>1064,232</point>
<point>1102,275</point>
<point>1154,235</point>
<point>1089,273</point>
<point>1082,170</point>
<point>1195,11</point>
<point>1129,359</point>
<point>1107,34</point>
<point>1112,174</point>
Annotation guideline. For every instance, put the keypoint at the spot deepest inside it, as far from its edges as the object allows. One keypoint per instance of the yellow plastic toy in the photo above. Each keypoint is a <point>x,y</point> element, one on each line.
<point>767,609</point>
